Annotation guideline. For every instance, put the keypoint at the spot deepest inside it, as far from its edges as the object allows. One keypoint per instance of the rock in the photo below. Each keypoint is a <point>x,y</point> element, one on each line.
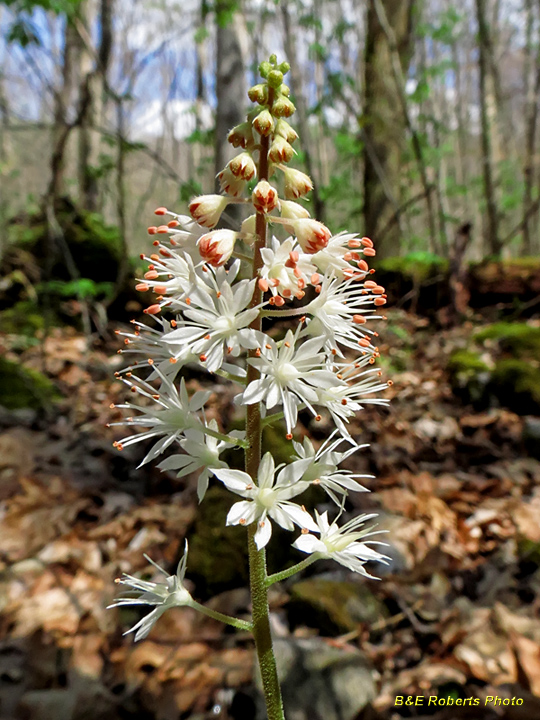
<point>332,606</point>
<point>321,682</point>
<point>21,387</point>
<point>516,385</point>
<point>531,436</point>
<point>469,376</point>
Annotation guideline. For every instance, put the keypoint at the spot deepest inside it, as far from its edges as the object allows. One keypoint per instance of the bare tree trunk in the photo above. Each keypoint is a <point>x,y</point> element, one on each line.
<point>299,100</point>
<point>4,154</point>
<point>492,225</point>
<point>94,68</point>
<point>385,123</point>
<point>532,85</point>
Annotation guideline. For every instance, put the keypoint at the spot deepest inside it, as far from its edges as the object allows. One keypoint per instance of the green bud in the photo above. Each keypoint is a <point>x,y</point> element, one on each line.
<point>258,93</point>
<point>264,69</point>
<point>275,78</point>
<point>282,107</point>
<point>284,67</point>
<point>273,59</point>
<point>285,90</point>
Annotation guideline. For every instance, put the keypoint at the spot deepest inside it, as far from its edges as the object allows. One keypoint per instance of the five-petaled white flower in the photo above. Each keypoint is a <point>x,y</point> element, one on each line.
<point>176,412</point>
<point>290,376</point>
<point>163,596</point>
<point>341,544</point>
<point>323,468</point>
<point>267,498</point>
<point>201,452</point>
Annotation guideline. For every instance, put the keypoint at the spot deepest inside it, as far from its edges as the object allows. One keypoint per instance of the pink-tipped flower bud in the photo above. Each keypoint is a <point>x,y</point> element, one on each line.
<point>292,210</point>
<point>285,131</point>
<point>264,123</point>
<point>216,247</point>
<point>241,135</point>
<point>258,93</point>
<point>282,107</point>
<point>312,235</point>
<point>242,166</point>
<point>207,209</point>
<point>297,183</point>
<point>264,197</point>
<point>230,184</point>
<point>280,150</point>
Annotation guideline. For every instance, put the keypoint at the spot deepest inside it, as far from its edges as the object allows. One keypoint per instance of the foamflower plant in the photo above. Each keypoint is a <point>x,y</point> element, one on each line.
<point>214,290</point>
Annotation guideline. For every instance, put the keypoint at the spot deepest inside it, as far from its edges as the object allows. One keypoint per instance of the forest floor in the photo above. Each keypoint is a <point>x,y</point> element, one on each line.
<point>457,609</point>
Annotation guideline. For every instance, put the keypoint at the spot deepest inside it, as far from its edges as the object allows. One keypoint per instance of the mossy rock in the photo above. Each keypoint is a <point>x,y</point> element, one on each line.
<point>333,606</point>
<point>516,385</point>
<point>420,277</point>
<point>417,266</point>
<point>217,554</point>
<point>515,338</point>
<point>21,387</point>
<point>469,376</point>
<point>24,318</point>
<point>95,247</point>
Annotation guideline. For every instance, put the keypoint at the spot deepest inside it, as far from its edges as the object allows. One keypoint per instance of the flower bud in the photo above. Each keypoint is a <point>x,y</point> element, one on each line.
<point>264,69</point>
<point>241,135</point>
<point>275,78</point>
<point>312,235</point>
<point>280,150</point>
<point>284,67</point>
<point>264,123</point>
<point>282,107</point>
<point>230,184</point>
<point>292,210</point>
<point>216,247</point>
<point>285,90</point>
<point>264,197</point>
<point>249,228</point>
<point>284,130</point>
<point>297,183</point>
<point>258,93</point>
<point>242,166</point>
<point>207,209</point>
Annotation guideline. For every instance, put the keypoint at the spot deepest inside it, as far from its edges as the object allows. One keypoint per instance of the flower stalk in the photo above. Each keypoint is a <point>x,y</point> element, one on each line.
<point>323,363</point>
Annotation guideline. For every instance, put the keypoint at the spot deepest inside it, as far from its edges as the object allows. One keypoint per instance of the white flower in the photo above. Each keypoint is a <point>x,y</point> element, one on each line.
<point>164,595</point>
<point>339,313</point>
<point>201,453</point>
<point>323,468</point>
<point>176,413</point>
<point>341,544</point>
<point>217,317</point>
<point>268,499</point>
<point>286,270</point>
<point>338,255</point>
<point>289,376</point>
<point>312,235</point>
<point>182,231</point>
<point>343,401</point>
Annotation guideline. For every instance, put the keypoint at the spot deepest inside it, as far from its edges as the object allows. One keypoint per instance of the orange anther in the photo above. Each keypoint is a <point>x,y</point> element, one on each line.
<point>160,211</point>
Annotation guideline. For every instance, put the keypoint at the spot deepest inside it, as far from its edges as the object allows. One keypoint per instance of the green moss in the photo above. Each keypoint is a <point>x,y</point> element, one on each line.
<point>469,376</point>
<point>24,388</point>
<point>332,606</point>
<point>217,554</point>
<point>516,385</point>
<point>417,266</point>
<point>24,318</point>
<point>514,338</point>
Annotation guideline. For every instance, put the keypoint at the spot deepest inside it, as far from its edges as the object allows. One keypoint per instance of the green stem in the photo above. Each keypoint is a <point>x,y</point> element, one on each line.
<point>283,313</point>
<point>231,376</point>
<point>257,558</point>
<point>269,419</point>
<point>227,619</point>
<point>227,438</point>
<point>284,574</point>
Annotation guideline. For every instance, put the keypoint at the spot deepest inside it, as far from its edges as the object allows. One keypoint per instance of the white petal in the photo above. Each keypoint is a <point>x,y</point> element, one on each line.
<point>309,544</point>
<point>244,511</point>
<point>235,480</point>
<point>263,534</point>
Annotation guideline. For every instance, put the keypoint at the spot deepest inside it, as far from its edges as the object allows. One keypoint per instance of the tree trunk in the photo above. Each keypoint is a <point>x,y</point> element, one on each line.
<point>230,89</point>
<point>492,240</point>
<point>384,121</point>
<point>532,85</point>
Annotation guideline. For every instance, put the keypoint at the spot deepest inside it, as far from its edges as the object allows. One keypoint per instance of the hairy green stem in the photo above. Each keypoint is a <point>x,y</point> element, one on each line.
<point>284,574</point>
<point>227,438</point>
<point>257,558</point>
<point>227,619</point>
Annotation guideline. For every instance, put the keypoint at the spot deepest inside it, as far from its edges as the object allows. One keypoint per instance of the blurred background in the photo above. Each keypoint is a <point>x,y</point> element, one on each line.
<point>418,123</point>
